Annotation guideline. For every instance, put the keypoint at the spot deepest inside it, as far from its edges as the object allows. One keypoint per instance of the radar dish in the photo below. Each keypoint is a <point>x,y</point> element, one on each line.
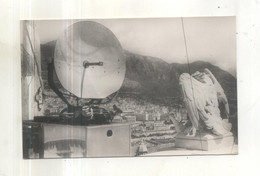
<point>89,60</point>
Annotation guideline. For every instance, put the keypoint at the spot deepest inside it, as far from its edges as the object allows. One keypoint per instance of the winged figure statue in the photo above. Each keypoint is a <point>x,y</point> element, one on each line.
<point>202,95</point>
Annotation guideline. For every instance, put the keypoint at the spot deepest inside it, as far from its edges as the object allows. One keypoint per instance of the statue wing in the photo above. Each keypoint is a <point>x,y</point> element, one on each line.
<point>220,91</point>
<point>194,97</point>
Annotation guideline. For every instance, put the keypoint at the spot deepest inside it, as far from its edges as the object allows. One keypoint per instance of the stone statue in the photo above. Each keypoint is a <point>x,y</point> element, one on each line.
<point>202,94</point>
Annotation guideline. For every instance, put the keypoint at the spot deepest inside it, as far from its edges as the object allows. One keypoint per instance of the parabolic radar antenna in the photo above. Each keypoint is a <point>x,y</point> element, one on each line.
<point>90,66</point>
<point>89,60</point>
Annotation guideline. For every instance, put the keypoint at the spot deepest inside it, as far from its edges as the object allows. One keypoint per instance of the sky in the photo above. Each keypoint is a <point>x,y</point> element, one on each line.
<point>211,39</point>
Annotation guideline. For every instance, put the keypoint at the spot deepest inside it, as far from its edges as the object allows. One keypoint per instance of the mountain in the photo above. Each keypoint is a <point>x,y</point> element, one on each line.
<point>158,78</point>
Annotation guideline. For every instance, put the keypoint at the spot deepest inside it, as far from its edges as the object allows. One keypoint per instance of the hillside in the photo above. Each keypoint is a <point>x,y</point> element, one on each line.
<point>158,78</point>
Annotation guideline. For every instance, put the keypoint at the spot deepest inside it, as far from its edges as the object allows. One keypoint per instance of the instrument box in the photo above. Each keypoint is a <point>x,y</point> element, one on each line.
<point>112,140</point>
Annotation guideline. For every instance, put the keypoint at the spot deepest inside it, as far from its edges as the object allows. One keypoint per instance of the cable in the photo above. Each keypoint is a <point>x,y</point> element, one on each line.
<point>82,80</point>
<point>186,49</point>
<point>34,58</point>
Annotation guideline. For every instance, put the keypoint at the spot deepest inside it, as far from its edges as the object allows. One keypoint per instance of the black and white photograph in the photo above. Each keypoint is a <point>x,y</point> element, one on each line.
<point>129,87</point>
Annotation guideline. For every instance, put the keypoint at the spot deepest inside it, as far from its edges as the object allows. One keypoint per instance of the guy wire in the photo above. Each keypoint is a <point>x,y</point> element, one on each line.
<point>186,49</point>
<point>34,57</point>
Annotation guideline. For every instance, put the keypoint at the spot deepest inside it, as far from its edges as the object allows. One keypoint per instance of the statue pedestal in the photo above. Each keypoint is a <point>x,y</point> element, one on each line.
<point>204,141</point>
